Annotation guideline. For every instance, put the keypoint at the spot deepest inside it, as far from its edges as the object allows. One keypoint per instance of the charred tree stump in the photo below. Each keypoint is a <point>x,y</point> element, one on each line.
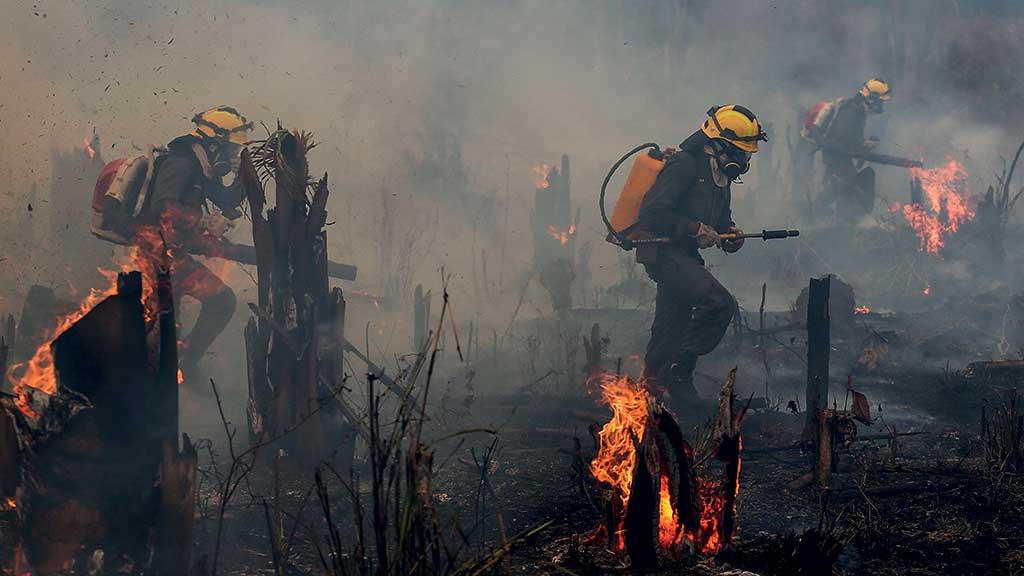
<point>818,343</point>
<point>96,445</point>
<point>287,356</point>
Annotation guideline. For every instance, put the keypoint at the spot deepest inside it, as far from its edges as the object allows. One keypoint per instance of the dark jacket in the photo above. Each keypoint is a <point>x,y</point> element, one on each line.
<point>846,131</point>
<point>684,194</point>
<point>178,180</point>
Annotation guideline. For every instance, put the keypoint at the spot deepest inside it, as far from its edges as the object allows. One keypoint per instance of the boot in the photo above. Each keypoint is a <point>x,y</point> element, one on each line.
<point>683,397</point>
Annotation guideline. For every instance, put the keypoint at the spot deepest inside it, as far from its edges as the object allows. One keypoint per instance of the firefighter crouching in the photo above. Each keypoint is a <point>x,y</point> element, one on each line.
<point>690,202</point>
<point>188,175</point>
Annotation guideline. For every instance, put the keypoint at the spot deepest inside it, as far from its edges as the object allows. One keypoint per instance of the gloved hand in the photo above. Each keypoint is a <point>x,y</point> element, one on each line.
<point>732,246</point>
<point>706,236</point>
<point>215,225</point>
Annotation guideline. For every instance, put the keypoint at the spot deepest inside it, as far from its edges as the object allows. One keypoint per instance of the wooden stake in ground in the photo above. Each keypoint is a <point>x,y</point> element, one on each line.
<point>818,343</point>
<point>817,438</point>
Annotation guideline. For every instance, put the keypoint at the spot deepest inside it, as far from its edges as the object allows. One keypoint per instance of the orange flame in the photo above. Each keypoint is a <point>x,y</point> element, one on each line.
<point>616,457</point>
<point>562,236</point>
<point>10,503</point>
<point>38,374</point>
<point>862,310</point>
<point>947,204</point>
<point>927,290</point>
<point>88,148</point>
<point>181,377</point>
<point>540,176</point>
<point>615,462</point>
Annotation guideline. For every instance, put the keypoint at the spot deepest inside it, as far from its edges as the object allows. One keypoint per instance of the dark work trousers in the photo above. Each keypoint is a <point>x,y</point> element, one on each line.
<point>852,191</point>
<point>692,312</point>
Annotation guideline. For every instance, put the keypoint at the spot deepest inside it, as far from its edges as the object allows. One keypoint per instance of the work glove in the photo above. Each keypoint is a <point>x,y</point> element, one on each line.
<point>706,236</point>
<point>215,225</point>
<point>731,246</point>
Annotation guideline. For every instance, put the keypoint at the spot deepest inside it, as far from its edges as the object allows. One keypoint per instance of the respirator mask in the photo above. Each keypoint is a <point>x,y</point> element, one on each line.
<point>732,161</point>
<point>225,190</point>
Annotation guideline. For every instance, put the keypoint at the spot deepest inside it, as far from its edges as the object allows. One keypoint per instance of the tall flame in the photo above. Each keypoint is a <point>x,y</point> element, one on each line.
<point>38,372</point>
<point>946,204</point>
<point>616,457</point>
<point>615,462</point>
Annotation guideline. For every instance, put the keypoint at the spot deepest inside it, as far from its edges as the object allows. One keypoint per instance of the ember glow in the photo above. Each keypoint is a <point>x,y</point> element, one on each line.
<point>862,310</point>
<point>10,504</point>
<point>946,204</point>
<point>631,406</point>
<point>563,236</point>
<point>540,176</point>
<point>88,148</point>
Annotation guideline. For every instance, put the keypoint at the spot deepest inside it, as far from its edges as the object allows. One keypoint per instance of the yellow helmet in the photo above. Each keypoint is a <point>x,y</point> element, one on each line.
<point>222,123</point>
<point>876,88</point>
<point>736,125</point>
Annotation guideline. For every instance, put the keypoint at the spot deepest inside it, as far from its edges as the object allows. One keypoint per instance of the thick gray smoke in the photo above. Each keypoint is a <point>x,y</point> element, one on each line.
<point>430,114</point>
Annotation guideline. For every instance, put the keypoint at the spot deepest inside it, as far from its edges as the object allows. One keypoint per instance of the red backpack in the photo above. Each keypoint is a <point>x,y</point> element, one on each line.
<point>120,195</point>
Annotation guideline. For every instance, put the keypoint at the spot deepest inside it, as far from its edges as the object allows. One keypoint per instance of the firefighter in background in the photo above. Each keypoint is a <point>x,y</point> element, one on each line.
<point>837,129</point>
<point>188,176</point>
<point>690,202</point>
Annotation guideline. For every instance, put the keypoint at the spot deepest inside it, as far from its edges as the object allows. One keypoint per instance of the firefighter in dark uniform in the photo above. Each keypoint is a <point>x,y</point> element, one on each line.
<point>189,175</point>
<point>690,202</point>
<point>841,136</point>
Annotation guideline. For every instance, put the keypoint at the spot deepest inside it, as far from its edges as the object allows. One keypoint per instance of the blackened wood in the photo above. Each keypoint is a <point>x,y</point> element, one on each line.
<point>641,519</point>
<point>676,460</point>
<point>818,343</point>
<point>823,457</point>
<point>260,394</point>
<point>10,453</point>
<point>178,488</point>
<point>164,411</point>
<point>96,476</point>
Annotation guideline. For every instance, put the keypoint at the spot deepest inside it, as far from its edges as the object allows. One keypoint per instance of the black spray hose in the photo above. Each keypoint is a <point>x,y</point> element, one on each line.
<point>622,241</point>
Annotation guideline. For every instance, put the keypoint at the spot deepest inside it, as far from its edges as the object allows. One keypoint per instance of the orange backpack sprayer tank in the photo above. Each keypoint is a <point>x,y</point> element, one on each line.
<point>622,228</point>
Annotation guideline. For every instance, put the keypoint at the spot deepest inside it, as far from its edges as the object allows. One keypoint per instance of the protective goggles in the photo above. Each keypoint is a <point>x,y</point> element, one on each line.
<point>729,134</point>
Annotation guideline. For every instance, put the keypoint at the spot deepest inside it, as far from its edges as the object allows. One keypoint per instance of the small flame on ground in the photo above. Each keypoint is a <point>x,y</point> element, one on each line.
<point>946,205</point>
<point>181,377</point>
<point>862,310</point>
<point>10,503</point>
<point>927,290</point>
<point>540,176</point>
<point>562,236</point>
<point>88,148</point>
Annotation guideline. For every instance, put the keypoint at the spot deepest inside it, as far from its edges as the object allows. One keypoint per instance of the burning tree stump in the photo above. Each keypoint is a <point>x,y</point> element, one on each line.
<point>295,309</point>
<point>657,505</point>
<point>91,470</point>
